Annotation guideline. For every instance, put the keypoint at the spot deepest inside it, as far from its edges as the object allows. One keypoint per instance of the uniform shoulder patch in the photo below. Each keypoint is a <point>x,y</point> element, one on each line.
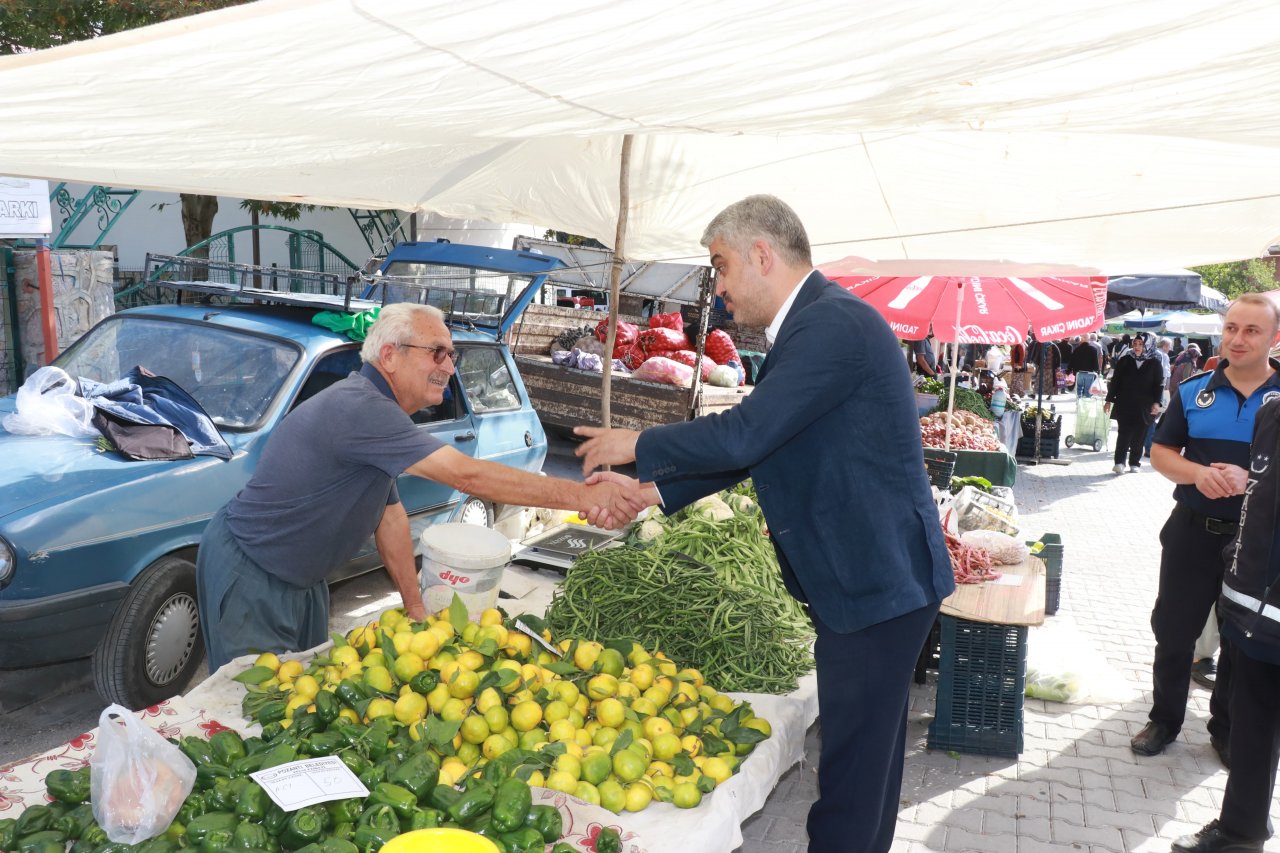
<point>1195,376</point>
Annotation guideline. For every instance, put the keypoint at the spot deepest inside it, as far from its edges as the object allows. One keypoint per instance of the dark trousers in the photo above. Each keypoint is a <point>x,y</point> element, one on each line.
<point>1130,436</point>
<point>1191,567</point>
<point>245,610</point>
<point>1255,746</point>
<point>863,679</point>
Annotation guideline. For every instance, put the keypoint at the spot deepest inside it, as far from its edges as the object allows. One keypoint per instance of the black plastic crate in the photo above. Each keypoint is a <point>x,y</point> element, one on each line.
<point>930,653</point>
<point>940,464</point>
<point>1027,446</point>
<point>1052,595</point>
<point>982,675</point>
<point>1051,552</point>
<point>1051,426</point>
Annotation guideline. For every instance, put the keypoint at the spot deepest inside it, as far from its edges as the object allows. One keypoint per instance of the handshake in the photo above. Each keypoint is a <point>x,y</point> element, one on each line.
<point>613,500</point>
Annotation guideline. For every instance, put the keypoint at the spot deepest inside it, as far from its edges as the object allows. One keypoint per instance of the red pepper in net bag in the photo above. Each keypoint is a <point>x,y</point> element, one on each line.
<point>721,349</point>
<point>671,320</point>
<point>688,356</point>
<point>662,341</point>
<point>634,357</point>
<point>627,333</point>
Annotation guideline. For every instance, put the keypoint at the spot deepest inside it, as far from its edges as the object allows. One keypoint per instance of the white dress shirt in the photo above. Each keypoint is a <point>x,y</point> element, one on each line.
<point>771,331</point>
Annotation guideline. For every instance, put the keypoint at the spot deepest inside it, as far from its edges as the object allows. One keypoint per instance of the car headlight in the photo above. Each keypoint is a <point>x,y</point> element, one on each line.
<point>8,561</point>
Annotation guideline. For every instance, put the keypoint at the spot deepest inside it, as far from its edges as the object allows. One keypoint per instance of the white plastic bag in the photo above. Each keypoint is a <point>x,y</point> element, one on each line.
<point>660,369</point>
<point>1003,548</point>
<point>1064,666</point>
<point>47,404</point>
<point>138,779</point>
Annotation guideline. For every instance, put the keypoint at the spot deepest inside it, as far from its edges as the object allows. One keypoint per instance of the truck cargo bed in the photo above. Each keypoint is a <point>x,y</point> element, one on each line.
<point>566,397</point>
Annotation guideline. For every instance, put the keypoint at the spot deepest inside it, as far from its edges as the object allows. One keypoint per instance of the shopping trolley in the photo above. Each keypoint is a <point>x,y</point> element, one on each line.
<point>1092,424</point>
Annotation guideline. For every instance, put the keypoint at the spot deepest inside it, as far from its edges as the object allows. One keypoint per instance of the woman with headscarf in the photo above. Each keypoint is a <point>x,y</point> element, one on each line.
<point>1133,399</point>
<point>1186,365</point>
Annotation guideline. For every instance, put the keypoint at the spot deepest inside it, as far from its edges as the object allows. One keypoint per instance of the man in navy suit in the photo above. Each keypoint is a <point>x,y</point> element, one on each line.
<point>830,437</point>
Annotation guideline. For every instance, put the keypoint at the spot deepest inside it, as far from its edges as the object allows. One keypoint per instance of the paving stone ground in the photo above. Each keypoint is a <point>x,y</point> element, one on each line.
<point>1076,786</point>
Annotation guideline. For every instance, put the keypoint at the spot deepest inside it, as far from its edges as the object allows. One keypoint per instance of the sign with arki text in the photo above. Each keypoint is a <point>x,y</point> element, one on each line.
<point>24,208</point>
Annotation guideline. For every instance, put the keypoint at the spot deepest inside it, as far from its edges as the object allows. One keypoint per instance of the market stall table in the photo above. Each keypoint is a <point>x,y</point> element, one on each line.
<point>982,664</point>
<point>996,465</point>
<point>715,825</point>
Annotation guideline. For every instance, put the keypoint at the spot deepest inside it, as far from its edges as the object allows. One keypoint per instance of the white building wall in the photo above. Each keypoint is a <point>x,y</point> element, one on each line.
<point>146,227</point>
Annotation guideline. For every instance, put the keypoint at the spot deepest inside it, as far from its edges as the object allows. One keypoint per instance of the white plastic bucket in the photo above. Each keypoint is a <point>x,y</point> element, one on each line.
<point>465,559</point>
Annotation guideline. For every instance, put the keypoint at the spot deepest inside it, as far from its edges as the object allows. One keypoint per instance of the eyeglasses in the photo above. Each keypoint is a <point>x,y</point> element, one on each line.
<point>438,354</point>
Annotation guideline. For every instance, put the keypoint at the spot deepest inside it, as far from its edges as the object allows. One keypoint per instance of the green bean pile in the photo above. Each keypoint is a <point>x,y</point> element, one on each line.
<point>707,594</point>
<point>742,557</point>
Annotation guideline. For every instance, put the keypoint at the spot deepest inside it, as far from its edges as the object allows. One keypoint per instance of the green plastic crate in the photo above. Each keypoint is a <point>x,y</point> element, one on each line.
<point>982,675</point>
<point>1051,553</point>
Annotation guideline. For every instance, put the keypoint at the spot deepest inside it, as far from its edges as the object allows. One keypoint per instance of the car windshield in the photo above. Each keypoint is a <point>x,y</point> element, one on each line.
<point>233,375</point>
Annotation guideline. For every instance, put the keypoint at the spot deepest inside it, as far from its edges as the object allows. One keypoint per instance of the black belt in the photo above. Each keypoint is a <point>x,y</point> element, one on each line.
<point>1216,526</point>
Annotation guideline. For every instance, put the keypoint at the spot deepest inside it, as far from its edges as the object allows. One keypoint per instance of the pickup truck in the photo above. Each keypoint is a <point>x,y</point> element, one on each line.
<point>565,397</point>
<point>97,553</point>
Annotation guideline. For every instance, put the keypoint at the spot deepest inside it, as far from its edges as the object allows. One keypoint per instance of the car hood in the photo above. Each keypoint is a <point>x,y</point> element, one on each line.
<point>46,469</point>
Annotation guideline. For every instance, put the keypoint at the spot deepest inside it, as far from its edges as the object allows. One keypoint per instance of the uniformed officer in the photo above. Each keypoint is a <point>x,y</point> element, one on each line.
<point>1250,608</point>
<point>1202,445</point>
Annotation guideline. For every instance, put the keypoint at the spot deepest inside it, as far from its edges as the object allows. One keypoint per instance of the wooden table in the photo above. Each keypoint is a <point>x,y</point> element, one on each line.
<point>982,661</point>
<point>1001,602</point>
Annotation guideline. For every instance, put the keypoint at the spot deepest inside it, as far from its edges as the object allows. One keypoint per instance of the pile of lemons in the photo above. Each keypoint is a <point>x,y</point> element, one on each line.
<point>634,727</point>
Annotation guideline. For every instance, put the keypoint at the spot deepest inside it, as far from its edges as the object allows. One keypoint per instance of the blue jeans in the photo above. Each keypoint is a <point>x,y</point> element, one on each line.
<point>1084,381</point>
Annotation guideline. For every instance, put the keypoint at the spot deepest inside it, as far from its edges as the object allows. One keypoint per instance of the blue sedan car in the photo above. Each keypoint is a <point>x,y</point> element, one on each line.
<point>97,553</point>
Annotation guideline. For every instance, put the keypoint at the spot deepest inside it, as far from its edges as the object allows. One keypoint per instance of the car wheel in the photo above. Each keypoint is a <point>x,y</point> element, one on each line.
<point>1070,440</point>
<point>476,511</point>
<point>153,646</point>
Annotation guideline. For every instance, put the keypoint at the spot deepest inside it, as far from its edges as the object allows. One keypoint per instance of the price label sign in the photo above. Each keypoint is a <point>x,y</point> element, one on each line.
<point>305,783</point>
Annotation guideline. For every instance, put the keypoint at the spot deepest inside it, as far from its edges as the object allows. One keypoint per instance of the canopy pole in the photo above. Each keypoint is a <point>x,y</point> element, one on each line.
<point>615,279</point>
<point>48,312</point>
<point>951,397</point>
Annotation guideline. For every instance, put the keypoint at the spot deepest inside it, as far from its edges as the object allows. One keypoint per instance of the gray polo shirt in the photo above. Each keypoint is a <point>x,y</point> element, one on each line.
<point>325,478</point>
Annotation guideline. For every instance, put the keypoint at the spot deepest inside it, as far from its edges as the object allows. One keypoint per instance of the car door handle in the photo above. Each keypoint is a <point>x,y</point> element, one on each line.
<point>464,436</point>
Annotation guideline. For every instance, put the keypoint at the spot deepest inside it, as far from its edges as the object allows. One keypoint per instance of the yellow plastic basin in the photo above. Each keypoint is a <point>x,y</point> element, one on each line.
<point>442,840</point>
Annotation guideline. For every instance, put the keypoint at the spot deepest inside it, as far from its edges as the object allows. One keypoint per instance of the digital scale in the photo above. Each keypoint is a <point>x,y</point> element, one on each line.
<point>558,547</point>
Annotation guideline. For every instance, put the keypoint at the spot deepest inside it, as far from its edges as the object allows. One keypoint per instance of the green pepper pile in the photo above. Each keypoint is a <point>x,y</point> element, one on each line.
<point>228,811</point>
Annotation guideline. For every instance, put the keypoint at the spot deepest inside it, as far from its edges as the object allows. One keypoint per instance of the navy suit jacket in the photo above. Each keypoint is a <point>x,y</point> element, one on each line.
<point>831,438</point>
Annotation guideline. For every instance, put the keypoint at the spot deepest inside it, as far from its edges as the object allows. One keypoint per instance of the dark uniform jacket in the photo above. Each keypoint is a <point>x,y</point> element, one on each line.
<point>1250,603</point>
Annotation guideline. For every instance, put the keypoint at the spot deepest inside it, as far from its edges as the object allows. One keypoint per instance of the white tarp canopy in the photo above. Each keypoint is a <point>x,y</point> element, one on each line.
<point>1111,134</point>
<point>1187,323</point>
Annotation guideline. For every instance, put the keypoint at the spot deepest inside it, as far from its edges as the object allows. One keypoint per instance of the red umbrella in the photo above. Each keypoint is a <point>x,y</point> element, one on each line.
<point>976,302</point>
<point>994,303</point>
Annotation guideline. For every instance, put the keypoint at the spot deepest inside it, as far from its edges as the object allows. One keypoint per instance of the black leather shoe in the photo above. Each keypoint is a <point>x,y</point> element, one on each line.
<point>1204,672</point>
<point>1213,839</point>
<point>1153,739</point>
<point>1223,748</point>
